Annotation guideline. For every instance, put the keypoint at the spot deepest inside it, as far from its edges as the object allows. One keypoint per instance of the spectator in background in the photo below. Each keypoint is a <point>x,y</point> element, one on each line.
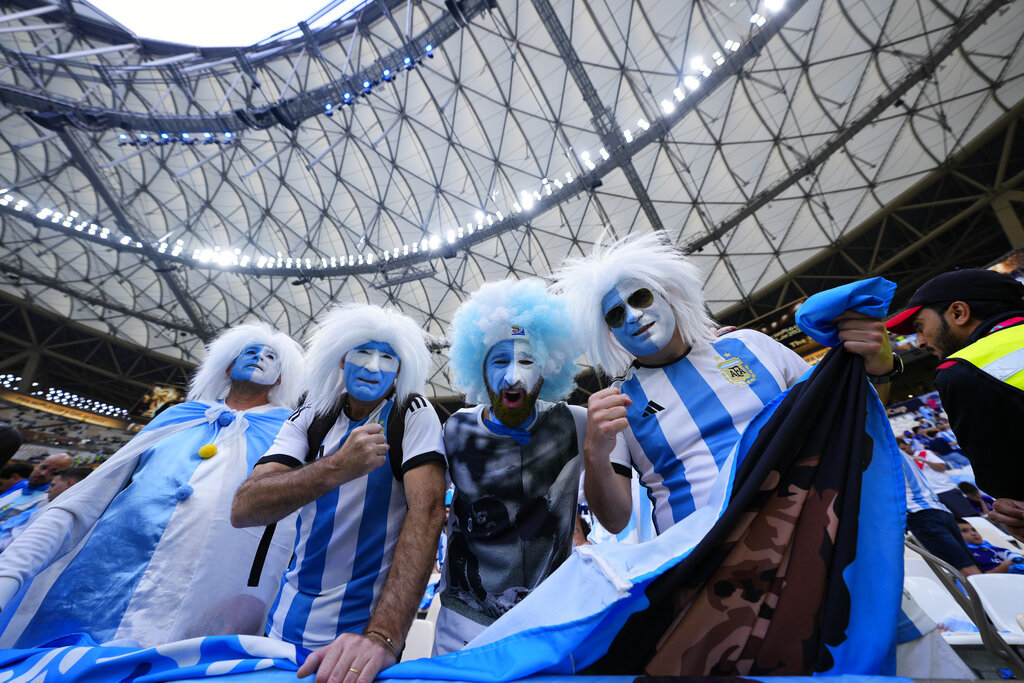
<point>945,489</point>
<point>16,502</point>
<point>14,474</point>
<point>62,481</point>
<point>981,502</point>
<point>930,521</point>
<point>934,441</point>
<point>989,558</point>
<point>972,320</point>
<point>10,442</point>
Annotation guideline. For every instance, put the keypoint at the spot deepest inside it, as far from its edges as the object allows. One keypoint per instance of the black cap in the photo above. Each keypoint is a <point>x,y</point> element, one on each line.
<point>959,285</point>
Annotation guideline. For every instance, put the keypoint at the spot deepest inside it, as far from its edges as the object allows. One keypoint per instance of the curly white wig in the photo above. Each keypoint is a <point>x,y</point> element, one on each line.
<point>350,325</point>
<point>487,317</point>
<point>211,382</point>
<point>648,258</point>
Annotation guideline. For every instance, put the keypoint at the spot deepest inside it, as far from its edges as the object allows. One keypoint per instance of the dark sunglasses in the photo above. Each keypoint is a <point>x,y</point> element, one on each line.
<point>641,298</point>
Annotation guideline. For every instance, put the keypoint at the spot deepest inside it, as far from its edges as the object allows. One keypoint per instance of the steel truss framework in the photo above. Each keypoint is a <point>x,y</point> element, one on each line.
<point>965,214</point>
<point>44,349</point>
<point>795,131</point>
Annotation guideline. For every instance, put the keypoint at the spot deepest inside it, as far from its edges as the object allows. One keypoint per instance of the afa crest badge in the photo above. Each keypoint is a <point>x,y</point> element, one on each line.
<point>736,371</point>
<point>518,331</point>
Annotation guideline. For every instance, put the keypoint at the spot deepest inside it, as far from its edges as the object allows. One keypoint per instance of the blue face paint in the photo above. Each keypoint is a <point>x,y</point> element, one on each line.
<point>513,381</point>
<point>647,322</point>
<point>257,363</point>
<point>370,370</point>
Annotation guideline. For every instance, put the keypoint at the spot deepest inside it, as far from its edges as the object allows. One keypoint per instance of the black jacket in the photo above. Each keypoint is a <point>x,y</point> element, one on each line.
<point>987,416</point>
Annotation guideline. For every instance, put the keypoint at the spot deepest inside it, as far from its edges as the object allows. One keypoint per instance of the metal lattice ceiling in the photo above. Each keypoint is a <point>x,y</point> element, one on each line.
<point>817,115</point>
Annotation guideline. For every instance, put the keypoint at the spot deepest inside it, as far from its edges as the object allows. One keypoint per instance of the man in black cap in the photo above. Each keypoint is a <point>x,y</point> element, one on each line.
<point>973,320</point>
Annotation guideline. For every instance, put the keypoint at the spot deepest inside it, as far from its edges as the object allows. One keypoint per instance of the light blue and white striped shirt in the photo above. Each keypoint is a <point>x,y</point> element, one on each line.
<point>345,539</point>
<point>687,416</point>
<point>919,494</point>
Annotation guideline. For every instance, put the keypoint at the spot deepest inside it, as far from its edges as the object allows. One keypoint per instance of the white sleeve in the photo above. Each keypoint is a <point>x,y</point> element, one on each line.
<point>620,455</point>
<point>422,439</point>
<point>783,359</point>
<point>291,444</point>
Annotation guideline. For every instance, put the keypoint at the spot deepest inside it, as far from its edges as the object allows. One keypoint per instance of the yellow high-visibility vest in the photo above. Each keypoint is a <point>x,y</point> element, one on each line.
<point>1000,354</point>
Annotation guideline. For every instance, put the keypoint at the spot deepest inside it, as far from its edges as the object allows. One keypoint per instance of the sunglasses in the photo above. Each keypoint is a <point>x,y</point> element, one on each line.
<point>616,315</point>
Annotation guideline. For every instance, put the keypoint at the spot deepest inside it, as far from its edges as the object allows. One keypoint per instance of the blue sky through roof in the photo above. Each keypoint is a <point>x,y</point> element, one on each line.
<point>213,23</point>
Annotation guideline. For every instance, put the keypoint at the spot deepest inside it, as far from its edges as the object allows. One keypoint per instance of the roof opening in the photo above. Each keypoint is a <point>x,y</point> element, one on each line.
<point>222,23</point>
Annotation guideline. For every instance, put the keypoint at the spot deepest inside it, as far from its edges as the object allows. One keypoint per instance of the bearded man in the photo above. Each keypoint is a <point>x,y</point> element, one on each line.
<point>514,458</point>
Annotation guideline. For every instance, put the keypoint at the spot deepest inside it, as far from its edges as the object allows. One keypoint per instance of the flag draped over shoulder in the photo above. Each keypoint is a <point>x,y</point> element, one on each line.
<point>794,567</point>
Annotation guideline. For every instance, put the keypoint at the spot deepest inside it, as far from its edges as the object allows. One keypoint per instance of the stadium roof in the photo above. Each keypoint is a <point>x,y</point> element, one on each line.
<point>406,152</point>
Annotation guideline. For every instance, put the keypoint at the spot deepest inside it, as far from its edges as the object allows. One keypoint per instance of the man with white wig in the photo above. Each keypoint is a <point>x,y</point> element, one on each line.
<point>143,549</point>
<point>681,396</point>
<point>363,463</point>
<point>514,457</point>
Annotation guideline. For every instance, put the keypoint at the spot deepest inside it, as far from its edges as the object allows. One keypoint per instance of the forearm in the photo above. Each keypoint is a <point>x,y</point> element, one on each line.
<point>608,493</point>
<point>270,496</point>
<point>412,563</point>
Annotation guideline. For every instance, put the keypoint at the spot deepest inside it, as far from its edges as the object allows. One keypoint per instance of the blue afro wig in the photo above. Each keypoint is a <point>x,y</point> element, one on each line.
<point>490,315</point>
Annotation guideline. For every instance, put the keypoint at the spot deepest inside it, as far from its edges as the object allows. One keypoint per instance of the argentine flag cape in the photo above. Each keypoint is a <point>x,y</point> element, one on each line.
<point>605,609</point>
<point>143,548</point>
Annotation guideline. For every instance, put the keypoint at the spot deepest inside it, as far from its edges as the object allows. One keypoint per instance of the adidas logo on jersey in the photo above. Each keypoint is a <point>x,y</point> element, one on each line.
<point>652,408</point>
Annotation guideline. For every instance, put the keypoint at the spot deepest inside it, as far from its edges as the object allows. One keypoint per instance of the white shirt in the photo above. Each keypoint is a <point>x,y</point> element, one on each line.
<point>938,481</point>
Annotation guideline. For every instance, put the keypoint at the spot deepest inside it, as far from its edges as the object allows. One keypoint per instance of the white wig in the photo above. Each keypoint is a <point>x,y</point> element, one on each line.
<point>648,258</point>
<point>350,325</point>
<point>211,381</point>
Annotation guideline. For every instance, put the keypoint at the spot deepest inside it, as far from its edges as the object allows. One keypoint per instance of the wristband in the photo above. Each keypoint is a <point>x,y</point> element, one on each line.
<point>897,370</point>
<point>387,641</point>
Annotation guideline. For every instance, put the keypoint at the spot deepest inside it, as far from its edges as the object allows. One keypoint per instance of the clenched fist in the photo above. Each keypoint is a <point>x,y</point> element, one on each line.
<point>606,417</point>
<point>364,450</point>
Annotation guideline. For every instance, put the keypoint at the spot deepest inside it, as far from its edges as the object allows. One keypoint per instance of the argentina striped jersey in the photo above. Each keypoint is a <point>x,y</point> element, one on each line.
<point>919,494</point>
<point>686,416</point>
<point>345,539</point>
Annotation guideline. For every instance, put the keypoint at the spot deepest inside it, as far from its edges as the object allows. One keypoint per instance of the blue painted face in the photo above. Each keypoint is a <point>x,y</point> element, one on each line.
<point>257,363</point>
<point>513,381</point>
<point>640,319</point>
<point>370,370</point>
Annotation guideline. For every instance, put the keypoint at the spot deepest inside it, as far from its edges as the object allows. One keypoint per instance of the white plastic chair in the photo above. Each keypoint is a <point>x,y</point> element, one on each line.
<point>1002,595</point>
<point>937,603</point>
<point>914,565</point>
<point>420,641</point>
<point>435,607</point>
